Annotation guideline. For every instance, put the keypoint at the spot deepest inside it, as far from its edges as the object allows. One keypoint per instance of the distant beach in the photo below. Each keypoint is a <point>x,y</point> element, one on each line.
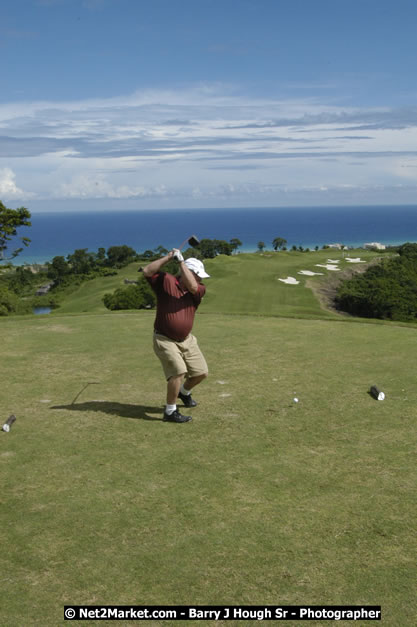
<point>61,233</point>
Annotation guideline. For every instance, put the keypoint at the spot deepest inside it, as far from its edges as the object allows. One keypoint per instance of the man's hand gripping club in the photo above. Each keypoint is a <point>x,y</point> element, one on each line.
<point>188,279</point>
<point>177,254</point>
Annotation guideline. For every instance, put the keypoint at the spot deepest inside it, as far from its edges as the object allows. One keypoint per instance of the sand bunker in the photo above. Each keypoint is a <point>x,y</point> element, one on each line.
<point>290,280</point>
<point>310,273</point>
<point>355,260</point>
<point>328,266</point>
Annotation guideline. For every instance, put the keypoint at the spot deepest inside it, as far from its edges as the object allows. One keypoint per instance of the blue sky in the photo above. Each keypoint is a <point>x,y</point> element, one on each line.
<point>138,104</point>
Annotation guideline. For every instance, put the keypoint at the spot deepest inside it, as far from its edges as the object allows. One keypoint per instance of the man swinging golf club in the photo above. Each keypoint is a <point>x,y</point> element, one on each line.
<point>177,301</point>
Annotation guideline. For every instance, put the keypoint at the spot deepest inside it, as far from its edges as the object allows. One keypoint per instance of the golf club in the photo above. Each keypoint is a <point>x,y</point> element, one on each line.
<point>193,241</point>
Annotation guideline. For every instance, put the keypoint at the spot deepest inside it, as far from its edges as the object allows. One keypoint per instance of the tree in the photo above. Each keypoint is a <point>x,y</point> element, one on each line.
<point>21,280</point>
<point>120,256</point>
<point>148,254</point>
<point>139,296</point>
<point>408,250</point>
<point>278,243</point>
<point>161,251</point>
<point>8,301</point>
<point>208,248</point>
<point>387,290</point>
<point>235,243</point>
<point>58,269</point>
<point>222,247</point>
<point>10,221</point>
<point>81,261</point>
<point>261,246</point>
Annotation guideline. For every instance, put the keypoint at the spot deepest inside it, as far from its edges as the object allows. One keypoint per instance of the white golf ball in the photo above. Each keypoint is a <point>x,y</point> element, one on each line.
<point>295,400</point>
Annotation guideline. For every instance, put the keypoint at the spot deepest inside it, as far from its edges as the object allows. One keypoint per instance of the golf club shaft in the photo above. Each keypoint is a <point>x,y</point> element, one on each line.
<point>183,244</point>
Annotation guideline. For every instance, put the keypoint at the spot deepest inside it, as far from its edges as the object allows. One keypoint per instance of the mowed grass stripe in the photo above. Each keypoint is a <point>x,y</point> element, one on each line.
<point>257,501</point>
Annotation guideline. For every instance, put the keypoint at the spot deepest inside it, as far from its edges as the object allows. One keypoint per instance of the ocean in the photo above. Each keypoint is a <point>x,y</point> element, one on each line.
<point>61,233</point>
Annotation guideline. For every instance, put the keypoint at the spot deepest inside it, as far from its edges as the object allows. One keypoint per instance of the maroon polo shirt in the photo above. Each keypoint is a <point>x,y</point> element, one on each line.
<point>176,306</point>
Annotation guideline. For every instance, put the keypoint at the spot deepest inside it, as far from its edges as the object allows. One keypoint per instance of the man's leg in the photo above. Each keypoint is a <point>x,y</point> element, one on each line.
<point>173,388</point>
<point>185,389</point>
<point>172,362</point>
<point>193,381</point>
<point>197,370</point>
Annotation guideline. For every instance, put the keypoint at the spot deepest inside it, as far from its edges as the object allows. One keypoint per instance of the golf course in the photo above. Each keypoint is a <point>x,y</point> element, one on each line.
<point>259,500</point>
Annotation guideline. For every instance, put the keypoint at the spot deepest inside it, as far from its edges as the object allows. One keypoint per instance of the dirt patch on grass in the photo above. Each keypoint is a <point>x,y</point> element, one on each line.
<point>59,328</point>
<point>326,290</point>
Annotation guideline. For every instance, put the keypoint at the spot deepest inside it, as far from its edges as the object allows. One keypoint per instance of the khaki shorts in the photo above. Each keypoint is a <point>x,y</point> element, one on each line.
<point>179,357</point>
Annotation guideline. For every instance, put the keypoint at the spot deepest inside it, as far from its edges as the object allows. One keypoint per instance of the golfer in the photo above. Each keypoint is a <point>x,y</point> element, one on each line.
<point>177,300</point>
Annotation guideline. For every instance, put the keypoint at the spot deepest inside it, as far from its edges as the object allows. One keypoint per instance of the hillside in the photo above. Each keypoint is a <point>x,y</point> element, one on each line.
<point>244,283</point>
<point>258,501</point>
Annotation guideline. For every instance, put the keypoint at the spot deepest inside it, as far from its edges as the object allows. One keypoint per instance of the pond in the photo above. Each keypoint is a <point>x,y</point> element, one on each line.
<point>42,310</point>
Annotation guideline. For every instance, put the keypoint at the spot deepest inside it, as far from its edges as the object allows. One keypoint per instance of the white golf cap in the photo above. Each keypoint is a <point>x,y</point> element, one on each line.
<point>197,266</point>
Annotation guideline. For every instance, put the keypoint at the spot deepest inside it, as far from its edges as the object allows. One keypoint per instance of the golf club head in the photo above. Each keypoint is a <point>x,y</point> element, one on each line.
<point>193,241</point>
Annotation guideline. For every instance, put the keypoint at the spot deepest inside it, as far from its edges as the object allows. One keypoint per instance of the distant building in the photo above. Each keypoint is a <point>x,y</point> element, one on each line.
<point>374,246</point>
<point>337,246</point>
<point>35,267</point>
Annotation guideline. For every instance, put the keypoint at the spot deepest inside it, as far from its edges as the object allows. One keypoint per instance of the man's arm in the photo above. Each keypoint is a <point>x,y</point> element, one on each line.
<point>155,266</point>
<point>188,278</point>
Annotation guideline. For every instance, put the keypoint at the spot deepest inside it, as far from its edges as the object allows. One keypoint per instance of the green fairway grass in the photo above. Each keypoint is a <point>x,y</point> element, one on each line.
<point>89,296</point>
<point>245,283</point>
<point>249,283</point>
<point>257,501</point>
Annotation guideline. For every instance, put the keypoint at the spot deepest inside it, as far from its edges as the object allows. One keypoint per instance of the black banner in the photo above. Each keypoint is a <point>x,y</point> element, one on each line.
<point>222,612</point>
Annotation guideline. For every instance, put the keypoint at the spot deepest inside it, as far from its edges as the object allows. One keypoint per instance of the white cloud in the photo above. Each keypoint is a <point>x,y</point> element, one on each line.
<point>85,186</point>
<point>201,142</point>
<point>8,187</point>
